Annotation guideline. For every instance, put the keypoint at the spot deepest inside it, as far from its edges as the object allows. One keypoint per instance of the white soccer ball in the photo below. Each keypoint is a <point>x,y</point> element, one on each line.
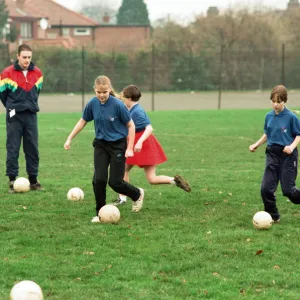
<point>21,185</point>
<point>75,194</point>
<point>262,220</point>
<point>109,214</point>
<point>26,290</point>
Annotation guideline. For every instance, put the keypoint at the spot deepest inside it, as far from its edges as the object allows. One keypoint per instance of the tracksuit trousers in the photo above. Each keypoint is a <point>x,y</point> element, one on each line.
<point>22,125</point>
<point>280,167</point>
<point>111,154</point>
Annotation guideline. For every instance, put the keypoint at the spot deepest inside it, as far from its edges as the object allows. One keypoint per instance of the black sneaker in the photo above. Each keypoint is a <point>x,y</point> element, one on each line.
<point>276,221</point>
<point>181,183</point>
<point>11,187</point>
<point>36,187</point>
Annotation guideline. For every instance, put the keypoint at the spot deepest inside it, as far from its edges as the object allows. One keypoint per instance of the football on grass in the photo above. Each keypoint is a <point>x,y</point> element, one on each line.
<point>75,194</point>
<point>26,290</point>
<point>109,214</point>
<point>21,185</point>
<point>262,220</point>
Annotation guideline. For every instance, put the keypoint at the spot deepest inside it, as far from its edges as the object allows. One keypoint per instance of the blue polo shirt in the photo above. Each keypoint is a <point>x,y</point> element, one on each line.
<point>139,117</point>
<point>281,129</point>
<point>110,118</point>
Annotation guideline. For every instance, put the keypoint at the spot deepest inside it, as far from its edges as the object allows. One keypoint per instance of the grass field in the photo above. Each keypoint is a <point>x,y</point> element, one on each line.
<point>198,245</point>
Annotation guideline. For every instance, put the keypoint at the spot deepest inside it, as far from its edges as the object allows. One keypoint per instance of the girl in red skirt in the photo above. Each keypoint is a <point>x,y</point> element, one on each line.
<point>147,150</point>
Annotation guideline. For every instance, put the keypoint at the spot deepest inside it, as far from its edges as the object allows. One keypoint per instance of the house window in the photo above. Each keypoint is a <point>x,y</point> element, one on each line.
<point>51,35</point>
<point>26,30</point>
<point>82,31</point>
<point>65,31</point>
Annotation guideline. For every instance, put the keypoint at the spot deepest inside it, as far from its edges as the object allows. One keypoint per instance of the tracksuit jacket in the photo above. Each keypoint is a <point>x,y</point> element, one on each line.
<point>19,92</point>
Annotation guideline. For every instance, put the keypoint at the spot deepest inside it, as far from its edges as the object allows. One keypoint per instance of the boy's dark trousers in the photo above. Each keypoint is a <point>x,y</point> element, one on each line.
<point>22,125</point>
<point>111,154</point>
<point>280,167</point>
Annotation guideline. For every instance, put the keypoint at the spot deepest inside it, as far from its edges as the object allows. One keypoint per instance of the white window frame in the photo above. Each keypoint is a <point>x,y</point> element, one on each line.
<point>66,31</point>
<point>82,31</point>
<point>26,30</point>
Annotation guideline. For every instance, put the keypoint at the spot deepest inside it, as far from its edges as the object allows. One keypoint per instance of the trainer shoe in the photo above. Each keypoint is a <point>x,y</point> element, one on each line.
<point>36,187</point>
<point>11,187</point>
<point>95,220</point>
<point>181,183</point>
<point>138,204</point>
<point>277,221</point>
<point>119,201</point>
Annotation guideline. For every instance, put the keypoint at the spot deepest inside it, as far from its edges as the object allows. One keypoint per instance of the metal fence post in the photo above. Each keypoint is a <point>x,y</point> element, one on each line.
<point>220,76</point>
<point>82,79</point>
<point>153,79</point>
<point>282,64</point>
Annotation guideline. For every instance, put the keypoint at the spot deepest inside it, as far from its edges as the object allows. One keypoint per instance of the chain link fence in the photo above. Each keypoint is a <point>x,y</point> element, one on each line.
<point>155,69</point>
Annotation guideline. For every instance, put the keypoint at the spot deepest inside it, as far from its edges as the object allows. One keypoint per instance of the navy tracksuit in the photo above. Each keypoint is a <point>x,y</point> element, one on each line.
<point>280,167</point>
<point>281,130</point>
<point>22,125</point>
<point>19,92</point>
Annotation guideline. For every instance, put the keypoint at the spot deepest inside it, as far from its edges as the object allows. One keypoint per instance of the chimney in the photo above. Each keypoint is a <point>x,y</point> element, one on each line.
<point>106,18</point>
<point>212,11</point>
<point>293,4</point>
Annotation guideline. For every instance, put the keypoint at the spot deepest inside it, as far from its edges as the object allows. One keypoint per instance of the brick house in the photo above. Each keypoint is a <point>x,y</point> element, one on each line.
<point>69,29</point>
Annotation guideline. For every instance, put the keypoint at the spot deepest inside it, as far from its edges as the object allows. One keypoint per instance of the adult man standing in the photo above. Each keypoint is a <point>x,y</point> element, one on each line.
<point>20,85</point>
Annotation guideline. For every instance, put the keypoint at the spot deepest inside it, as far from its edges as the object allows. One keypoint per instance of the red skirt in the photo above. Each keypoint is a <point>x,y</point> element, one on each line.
<point>151,154</point>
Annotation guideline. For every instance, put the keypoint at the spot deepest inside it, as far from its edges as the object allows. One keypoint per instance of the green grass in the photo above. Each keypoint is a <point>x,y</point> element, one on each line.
<point>200,245</point>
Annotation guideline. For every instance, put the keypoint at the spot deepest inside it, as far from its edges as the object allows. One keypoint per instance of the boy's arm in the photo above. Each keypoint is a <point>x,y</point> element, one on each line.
<point>261,141</point>
<point>290,148</point>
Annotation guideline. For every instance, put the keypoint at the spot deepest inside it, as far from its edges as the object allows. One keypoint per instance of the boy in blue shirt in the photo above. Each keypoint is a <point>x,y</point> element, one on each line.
<point>282,134</point>
<point>113,125</point>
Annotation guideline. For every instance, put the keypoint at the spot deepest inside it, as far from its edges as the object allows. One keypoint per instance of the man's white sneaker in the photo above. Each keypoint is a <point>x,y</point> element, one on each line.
<point>95,220</point>
<point>137,205</point>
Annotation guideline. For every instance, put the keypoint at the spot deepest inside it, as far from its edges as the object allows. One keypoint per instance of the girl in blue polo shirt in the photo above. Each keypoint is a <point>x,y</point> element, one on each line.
<point>113,125</point>
<point>282,134</point>
<point>148,151</point>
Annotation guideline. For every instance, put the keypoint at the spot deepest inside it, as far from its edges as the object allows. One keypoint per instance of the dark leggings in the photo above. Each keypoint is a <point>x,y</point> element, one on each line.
<point>111,154</point>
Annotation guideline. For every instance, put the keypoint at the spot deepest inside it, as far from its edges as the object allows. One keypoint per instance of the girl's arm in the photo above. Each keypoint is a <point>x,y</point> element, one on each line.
<point>261,141</point>
<point>130,139</point>
<point>78,127</point>
<point>139,145</point>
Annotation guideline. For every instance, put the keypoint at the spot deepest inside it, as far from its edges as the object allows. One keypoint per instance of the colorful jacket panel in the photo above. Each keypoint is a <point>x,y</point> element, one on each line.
<point>19,92</point>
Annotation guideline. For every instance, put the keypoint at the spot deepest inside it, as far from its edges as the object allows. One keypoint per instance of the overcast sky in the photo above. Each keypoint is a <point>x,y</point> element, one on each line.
<point>179,8</point>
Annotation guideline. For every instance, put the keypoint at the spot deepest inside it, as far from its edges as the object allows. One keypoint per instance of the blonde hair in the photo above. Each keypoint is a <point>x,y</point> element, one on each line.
<point>104,80</point>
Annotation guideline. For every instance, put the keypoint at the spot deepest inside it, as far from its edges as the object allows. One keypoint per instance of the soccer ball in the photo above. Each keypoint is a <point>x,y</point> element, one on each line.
<point>109,214</point>
<point>75,194</point>
<point>21,185</point>
<point>262,220</point>
<point>26,290</point>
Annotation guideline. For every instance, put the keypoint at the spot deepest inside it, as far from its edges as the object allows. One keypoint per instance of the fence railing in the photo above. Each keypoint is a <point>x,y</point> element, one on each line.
<point>160,69</point>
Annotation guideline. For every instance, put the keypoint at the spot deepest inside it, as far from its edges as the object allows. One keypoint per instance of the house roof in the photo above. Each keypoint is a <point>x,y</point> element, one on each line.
<point>54,12</point>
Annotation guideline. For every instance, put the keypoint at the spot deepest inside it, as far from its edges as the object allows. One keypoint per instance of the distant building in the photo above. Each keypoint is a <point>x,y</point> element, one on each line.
<point>63,27</point>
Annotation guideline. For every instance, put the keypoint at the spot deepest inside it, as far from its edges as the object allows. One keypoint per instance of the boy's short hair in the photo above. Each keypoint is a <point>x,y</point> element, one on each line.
<point>279,93</point>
